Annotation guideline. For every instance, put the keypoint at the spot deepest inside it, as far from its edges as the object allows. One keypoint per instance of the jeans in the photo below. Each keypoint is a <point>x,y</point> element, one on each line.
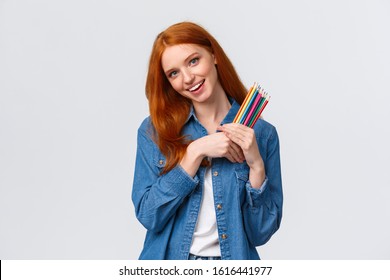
<point>200,258</point>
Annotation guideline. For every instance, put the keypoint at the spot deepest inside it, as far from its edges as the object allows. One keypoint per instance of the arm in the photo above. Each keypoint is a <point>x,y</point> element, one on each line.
<point>157,197</point>
<point>262,209</point>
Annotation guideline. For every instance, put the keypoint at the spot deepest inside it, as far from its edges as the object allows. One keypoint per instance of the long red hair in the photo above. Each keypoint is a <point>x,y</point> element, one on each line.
<point>168,109</point>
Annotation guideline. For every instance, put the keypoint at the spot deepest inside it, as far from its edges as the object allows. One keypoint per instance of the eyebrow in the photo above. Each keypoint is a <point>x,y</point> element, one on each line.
<point>186,59</point>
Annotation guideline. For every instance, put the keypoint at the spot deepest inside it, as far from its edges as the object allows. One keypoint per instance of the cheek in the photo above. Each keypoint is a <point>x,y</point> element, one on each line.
<point>176,84</point>
<point>212,72</point>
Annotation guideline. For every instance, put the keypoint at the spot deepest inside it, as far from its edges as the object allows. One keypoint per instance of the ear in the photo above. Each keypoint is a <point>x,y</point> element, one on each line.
<point>215,60</point>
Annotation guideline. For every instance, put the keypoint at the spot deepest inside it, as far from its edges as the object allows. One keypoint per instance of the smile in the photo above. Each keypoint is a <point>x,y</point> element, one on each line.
<point>197,86</point>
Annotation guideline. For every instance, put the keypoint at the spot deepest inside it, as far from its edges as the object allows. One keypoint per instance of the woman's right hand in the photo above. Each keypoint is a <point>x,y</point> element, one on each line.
<point>218,145</point>
<point>214,145</point>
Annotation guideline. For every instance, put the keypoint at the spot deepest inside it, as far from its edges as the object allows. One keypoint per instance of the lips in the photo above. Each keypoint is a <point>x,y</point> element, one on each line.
<point>196,86</point>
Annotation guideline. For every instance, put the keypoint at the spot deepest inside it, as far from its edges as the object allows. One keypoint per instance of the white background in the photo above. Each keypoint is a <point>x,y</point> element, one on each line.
<point>72,77</point>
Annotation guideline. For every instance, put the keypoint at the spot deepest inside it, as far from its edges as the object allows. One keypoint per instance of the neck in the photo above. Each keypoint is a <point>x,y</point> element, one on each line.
<point>211,113</point>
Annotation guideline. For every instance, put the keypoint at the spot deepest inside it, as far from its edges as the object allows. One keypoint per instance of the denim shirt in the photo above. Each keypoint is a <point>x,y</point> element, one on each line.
<point>168,205</point>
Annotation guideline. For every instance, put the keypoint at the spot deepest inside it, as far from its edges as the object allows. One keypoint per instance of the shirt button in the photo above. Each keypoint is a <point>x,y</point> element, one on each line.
<point>215,173</point>
<point>224,236</point>
<point>219,206</point>
<point>161,162</point>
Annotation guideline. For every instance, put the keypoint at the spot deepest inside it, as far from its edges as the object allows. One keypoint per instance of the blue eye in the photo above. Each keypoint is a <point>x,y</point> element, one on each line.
<point>194,61</point>
<point>172,74</point>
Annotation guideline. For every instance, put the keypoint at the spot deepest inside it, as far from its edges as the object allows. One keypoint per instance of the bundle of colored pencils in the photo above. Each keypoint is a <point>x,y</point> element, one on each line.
<point>252,107</point>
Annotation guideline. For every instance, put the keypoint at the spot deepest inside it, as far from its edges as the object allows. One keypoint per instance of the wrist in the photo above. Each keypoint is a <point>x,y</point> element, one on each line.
<point>191,159</point>
<point>194,152</point>
<point>256,166</point>
<point>256,176</point>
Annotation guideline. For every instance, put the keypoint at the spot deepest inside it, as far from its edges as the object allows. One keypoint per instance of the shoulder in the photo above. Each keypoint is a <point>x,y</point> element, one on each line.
<point>146,124</point>
<point>265,130</point>
<point>146,129</point>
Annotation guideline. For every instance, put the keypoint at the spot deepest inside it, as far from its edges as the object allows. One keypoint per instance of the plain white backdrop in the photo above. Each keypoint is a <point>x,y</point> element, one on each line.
<point>72,77</point>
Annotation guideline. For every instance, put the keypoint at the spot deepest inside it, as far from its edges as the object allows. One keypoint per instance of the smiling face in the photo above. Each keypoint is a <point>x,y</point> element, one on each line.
<point>191,71</point>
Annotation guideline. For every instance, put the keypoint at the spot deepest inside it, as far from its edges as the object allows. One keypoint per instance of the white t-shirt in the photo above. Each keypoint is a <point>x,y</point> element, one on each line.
<point>205,239</point>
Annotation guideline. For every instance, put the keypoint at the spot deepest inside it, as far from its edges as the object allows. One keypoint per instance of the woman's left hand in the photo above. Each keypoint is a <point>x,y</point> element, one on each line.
<point>245,137</point>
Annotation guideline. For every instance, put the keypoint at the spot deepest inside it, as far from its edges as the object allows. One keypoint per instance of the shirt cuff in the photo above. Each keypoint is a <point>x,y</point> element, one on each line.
<point>179,181</point>
<point>257,197</point>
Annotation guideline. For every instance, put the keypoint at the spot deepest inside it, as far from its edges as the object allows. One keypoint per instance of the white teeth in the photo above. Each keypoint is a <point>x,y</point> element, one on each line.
<point>195,87</point>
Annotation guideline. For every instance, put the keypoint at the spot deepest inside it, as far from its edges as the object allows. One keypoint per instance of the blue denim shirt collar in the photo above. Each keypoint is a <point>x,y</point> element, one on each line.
<point>228,118</point>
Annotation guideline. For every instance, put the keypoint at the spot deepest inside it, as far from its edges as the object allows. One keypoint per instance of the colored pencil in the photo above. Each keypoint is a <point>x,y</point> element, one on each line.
<point>245,103</point>
<point>252,106</point>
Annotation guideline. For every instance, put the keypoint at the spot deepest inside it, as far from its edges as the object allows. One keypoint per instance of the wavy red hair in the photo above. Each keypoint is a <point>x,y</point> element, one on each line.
<point>168,109</point>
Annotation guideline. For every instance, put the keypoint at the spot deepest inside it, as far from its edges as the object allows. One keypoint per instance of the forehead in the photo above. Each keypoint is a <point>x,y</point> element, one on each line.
<point>175,55</point>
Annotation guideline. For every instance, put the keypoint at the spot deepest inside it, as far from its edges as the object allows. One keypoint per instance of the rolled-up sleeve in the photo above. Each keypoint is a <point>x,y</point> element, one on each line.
<point>157,197</point>
<point>262,211</point>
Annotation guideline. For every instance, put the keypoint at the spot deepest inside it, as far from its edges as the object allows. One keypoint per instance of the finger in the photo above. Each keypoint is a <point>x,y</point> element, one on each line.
<point>238,153</point>
<point>243,136</point>
<point>234,155</point>
<point>236,130</point>
<point>230,158</point>
<point>235,136</point>
<point>235,127</point>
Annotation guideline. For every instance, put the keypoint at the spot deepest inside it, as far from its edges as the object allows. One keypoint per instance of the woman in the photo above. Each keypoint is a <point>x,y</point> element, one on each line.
<point>204,187</point>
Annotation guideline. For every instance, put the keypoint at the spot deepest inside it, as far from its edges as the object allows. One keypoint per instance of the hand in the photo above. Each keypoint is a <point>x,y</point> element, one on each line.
<point>214,145</point>
<point>218,145</point>
<point>245,137</point>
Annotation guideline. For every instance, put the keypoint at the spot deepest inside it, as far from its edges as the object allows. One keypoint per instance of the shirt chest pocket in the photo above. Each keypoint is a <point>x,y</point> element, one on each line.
<point>241,177</point>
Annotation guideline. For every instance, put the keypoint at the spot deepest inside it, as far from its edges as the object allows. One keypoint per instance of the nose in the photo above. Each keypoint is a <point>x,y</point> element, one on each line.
<point>188,77</point>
